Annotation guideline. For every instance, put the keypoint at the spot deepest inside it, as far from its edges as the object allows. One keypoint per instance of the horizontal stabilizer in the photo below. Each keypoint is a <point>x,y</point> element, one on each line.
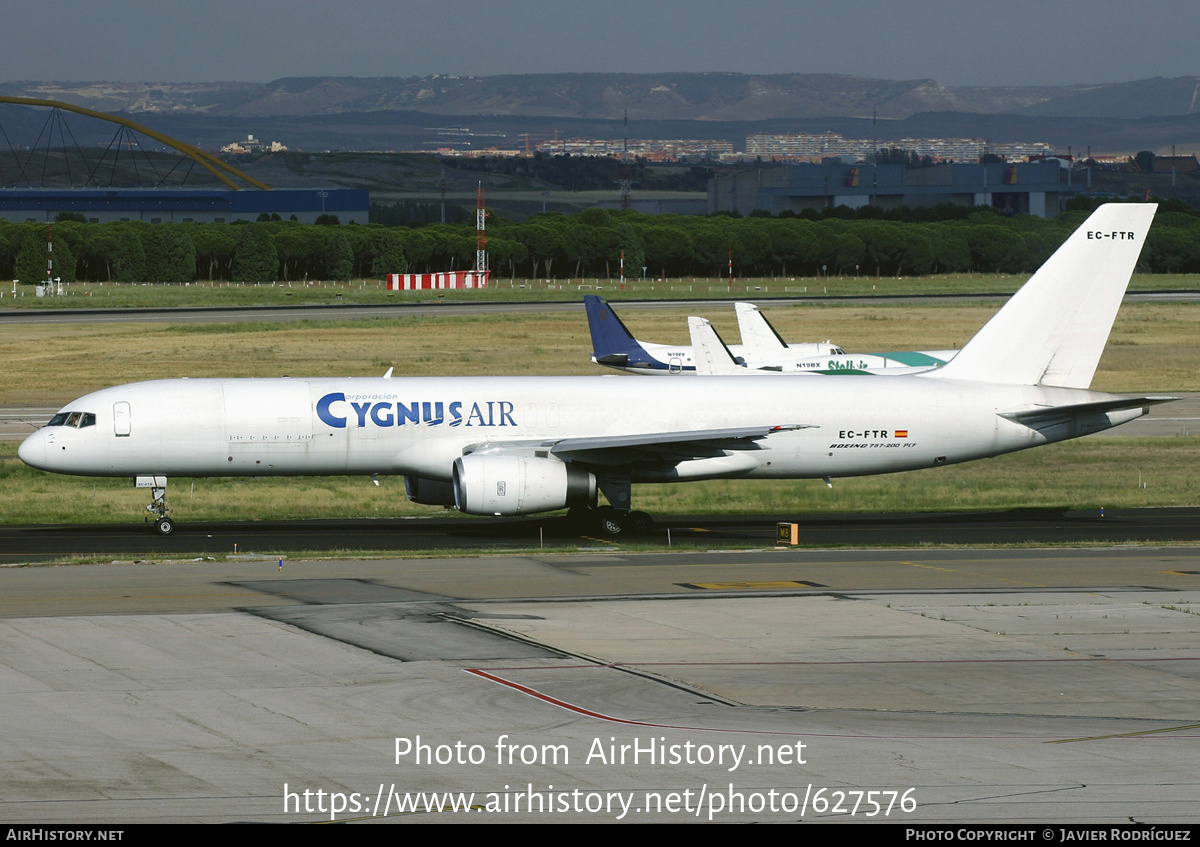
<point>1030,417</point>
<point>1073,420</point>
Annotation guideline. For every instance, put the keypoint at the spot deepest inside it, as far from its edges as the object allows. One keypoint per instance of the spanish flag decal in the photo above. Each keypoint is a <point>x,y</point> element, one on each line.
<point>902,433</point>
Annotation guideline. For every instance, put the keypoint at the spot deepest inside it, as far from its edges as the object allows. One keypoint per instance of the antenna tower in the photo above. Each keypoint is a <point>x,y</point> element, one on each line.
<point>626,172</point>
<point>480,235</point>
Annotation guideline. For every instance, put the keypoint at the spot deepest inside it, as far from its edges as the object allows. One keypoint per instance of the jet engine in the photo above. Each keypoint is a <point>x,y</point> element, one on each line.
<point>490,484</point>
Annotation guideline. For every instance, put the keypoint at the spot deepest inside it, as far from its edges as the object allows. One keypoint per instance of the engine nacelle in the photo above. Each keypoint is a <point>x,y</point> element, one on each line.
<point>429,492</point>
<point>486,484</point>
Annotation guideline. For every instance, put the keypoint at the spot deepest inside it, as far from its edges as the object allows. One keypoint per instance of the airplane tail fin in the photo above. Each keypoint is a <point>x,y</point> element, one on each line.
<point>758,336</point>
<point>1053,330</point>
<point>711,354</point>
<point>612,343</point>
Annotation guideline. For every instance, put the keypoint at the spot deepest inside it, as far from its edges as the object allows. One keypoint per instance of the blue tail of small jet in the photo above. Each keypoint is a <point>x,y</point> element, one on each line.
<point>612,343</point>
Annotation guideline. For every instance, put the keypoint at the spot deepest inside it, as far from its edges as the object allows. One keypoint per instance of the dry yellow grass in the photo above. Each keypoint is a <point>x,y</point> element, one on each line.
<point>1153,346</point>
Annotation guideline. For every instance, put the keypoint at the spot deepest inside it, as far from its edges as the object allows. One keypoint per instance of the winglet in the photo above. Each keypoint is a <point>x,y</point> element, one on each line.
<point>1053,330</point>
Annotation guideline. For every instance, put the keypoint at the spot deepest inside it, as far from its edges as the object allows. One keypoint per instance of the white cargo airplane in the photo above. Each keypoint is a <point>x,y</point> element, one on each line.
<point>762,349</point>
<point>527,444</point>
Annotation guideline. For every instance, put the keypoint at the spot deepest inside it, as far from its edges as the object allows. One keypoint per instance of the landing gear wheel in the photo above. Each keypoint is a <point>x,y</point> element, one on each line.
<point>163,525</point>
<point>639,522</point>
<point>610,521</point>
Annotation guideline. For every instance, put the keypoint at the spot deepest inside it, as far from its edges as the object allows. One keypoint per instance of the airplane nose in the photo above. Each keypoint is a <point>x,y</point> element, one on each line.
<point>33,450</point>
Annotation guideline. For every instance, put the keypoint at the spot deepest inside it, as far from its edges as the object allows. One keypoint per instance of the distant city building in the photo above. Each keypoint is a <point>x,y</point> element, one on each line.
<point>462,142</point>
<point>812,147</point>
<point>663,150</point>
<point>253,145</point>
<point>479,153</point>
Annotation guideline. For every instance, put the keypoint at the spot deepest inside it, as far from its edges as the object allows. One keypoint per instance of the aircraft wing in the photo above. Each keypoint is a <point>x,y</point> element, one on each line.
<point>616,450</point>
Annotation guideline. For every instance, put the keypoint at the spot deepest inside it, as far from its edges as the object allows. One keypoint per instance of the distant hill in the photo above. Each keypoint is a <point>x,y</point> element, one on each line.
<point>394,113</point>
<point>673,96</point>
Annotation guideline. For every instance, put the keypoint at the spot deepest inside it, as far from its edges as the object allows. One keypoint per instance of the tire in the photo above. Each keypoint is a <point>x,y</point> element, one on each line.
<point>609,521</point>
<point>164,526</point>
<point>639,522</point>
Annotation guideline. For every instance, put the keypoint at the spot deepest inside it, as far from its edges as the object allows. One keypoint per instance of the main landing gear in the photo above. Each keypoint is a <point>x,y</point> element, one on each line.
<point>609,521</point>
<point>617,519</point>
<point>163,525</point>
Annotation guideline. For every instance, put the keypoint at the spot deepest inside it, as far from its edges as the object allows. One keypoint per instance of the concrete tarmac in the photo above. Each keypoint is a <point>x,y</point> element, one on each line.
<point>1027,686</point>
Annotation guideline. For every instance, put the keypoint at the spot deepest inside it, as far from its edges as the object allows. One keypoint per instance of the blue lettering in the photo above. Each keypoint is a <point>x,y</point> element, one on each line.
<point>378,414</point>
<point>428,412</point>
<point>408,413</point>
<point>328,417</point>
<point>432,413</point>
<point>361,409</point>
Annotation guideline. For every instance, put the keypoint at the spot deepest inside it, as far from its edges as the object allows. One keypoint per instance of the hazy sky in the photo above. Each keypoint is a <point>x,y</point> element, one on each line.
<point>957,42</point>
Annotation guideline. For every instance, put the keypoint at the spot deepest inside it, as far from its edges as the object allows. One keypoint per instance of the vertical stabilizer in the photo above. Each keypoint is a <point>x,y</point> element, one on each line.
<point>612,343</point>
<point>759,338</point>
<point>711,354</point>
<point>1053,330</point>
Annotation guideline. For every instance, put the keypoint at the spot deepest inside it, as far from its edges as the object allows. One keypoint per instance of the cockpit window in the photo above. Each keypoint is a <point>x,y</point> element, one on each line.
<point>75,419</point>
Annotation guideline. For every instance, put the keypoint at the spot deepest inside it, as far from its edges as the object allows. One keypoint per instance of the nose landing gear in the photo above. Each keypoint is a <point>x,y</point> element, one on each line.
<point>163,525</point>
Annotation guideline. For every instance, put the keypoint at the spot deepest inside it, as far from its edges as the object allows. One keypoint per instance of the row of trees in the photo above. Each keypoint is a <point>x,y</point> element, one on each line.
<point>589,244</point>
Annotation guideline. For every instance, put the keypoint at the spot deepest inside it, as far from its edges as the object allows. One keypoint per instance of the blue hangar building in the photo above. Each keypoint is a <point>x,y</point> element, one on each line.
<point>1030,188</point>
<point>177,205</point>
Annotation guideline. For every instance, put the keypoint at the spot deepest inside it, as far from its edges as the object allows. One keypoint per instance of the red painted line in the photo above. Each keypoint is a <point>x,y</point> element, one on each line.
<point>579,710</point>
<point>562,704</point>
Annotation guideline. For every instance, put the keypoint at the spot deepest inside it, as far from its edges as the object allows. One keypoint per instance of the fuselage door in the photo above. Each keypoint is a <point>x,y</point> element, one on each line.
<point>121,417</point>
<point>675,365</point>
